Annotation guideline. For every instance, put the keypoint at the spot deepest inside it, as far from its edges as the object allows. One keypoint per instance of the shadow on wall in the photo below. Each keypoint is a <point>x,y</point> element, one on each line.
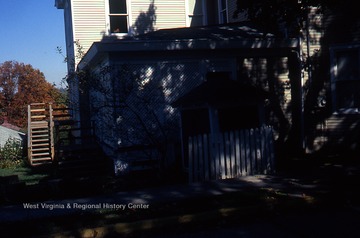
<point>145,21</point>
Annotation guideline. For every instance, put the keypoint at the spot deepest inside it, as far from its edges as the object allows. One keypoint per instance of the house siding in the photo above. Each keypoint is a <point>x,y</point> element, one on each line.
<point>6,134</point>
<point>339,133</point>
<point>332,131</point>
<point>168,14</point>
<point>89,23</point>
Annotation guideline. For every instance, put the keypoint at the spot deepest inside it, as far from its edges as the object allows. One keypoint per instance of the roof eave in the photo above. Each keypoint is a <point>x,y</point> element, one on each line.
<point>100,48</point>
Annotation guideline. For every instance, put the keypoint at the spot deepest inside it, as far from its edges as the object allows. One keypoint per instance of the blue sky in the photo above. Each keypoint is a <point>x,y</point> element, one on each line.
<point>30,31</point>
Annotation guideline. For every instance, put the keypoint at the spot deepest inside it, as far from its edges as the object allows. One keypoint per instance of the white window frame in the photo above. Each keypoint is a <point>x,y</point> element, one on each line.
<point>189,14</point>
<point>334,76</point>
<point>108,14</point>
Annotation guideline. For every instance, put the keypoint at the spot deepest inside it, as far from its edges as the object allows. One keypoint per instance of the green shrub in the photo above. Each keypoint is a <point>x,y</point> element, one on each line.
<point>11,154</point>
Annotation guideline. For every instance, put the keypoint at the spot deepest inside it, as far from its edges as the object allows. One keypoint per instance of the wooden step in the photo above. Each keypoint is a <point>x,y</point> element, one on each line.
<point>41,159</point>
<point>40,149</point>
<point>38,116</point>
<point>40,154</point>
<point>39,136</point>
<point>38,131</point>
<point>38,110</point>
<point>40,140</point>
<point>39,125</point>
<point>39,122</point>
<point>39,145</point>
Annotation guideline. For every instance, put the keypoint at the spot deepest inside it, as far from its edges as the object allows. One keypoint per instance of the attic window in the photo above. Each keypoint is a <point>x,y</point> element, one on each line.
<point>118,15</point>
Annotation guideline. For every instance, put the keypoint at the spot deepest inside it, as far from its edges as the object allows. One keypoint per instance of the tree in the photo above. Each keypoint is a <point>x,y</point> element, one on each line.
<point>283,16</point>
<point>289,18</point>
<point>20,85</point>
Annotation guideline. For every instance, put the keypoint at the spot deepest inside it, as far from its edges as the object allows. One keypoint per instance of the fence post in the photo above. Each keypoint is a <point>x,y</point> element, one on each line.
<point>232,155</point>
<point>206,157</point>
<point>191,168</point>
<point>237,154</point>
<point>200,159</point>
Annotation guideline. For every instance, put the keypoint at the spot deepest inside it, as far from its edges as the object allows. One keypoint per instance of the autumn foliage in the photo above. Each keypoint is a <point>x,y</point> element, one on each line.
<point>20,85</point>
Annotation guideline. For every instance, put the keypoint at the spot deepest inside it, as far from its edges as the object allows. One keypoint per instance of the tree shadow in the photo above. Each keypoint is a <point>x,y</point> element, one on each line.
<point>319,106</point>
<point>145,21</point>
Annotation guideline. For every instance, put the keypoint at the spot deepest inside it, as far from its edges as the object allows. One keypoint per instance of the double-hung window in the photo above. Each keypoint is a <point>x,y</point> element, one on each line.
<point>345,77</point>
<point>118,16</point>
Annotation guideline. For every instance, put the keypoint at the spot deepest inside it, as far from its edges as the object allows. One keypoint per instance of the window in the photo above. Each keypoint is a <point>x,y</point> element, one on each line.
<point>345,74</point>
<point>118,16</point>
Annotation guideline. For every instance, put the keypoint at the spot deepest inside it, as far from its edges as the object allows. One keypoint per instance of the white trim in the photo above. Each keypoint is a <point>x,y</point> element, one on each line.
<point>107,19</point>
<point>188,14</point>
<point>187,20</point>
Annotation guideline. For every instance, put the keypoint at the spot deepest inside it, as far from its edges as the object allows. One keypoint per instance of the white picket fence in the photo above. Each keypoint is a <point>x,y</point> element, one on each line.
<point>231,154</point>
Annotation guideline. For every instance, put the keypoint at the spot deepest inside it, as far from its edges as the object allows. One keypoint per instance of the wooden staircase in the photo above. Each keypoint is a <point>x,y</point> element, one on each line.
<point>40,134</point>
<point>53,138</point>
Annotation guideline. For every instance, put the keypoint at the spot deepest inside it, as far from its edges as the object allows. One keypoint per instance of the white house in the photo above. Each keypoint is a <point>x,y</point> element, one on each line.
<point>7,133</point>
<point>161,50</point>
<point>140,55</point>
<point>89,21</point>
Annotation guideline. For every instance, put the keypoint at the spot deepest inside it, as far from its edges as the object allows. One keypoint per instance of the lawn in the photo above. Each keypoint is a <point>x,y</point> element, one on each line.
<point>26,174</point>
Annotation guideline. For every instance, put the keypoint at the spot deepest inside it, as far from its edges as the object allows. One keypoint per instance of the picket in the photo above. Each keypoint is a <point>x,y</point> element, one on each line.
<point>231,154</point>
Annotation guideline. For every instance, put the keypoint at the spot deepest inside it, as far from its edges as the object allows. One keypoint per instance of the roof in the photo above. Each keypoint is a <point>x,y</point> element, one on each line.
<point>214,91</point>
<point>240,36</point>
<point>10,126</point>
<point>239,30</point>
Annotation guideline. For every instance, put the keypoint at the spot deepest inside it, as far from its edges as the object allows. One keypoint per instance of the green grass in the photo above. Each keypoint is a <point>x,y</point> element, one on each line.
<point>26,174</point>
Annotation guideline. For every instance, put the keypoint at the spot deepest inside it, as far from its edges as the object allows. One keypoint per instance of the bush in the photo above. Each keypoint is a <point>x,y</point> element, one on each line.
<point>11,154</point>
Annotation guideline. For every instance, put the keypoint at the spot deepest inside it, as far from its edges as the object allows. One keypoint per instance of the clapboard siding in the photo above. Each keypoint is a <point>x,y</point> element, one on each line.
<point>316,32</point>
<point>89,22</point>
<point>339,132</point>
<point>169,14</point>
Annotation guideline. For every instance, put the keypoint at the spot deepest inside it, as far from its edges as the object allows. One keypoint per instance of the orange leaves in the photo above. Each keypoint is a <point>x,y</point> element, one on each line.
<point>20,85</point>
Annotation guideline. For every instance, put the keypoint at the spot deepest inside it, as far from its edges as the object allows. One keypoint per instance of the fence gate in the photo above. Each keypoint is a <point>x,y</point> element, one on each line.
<point>231,154</point>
